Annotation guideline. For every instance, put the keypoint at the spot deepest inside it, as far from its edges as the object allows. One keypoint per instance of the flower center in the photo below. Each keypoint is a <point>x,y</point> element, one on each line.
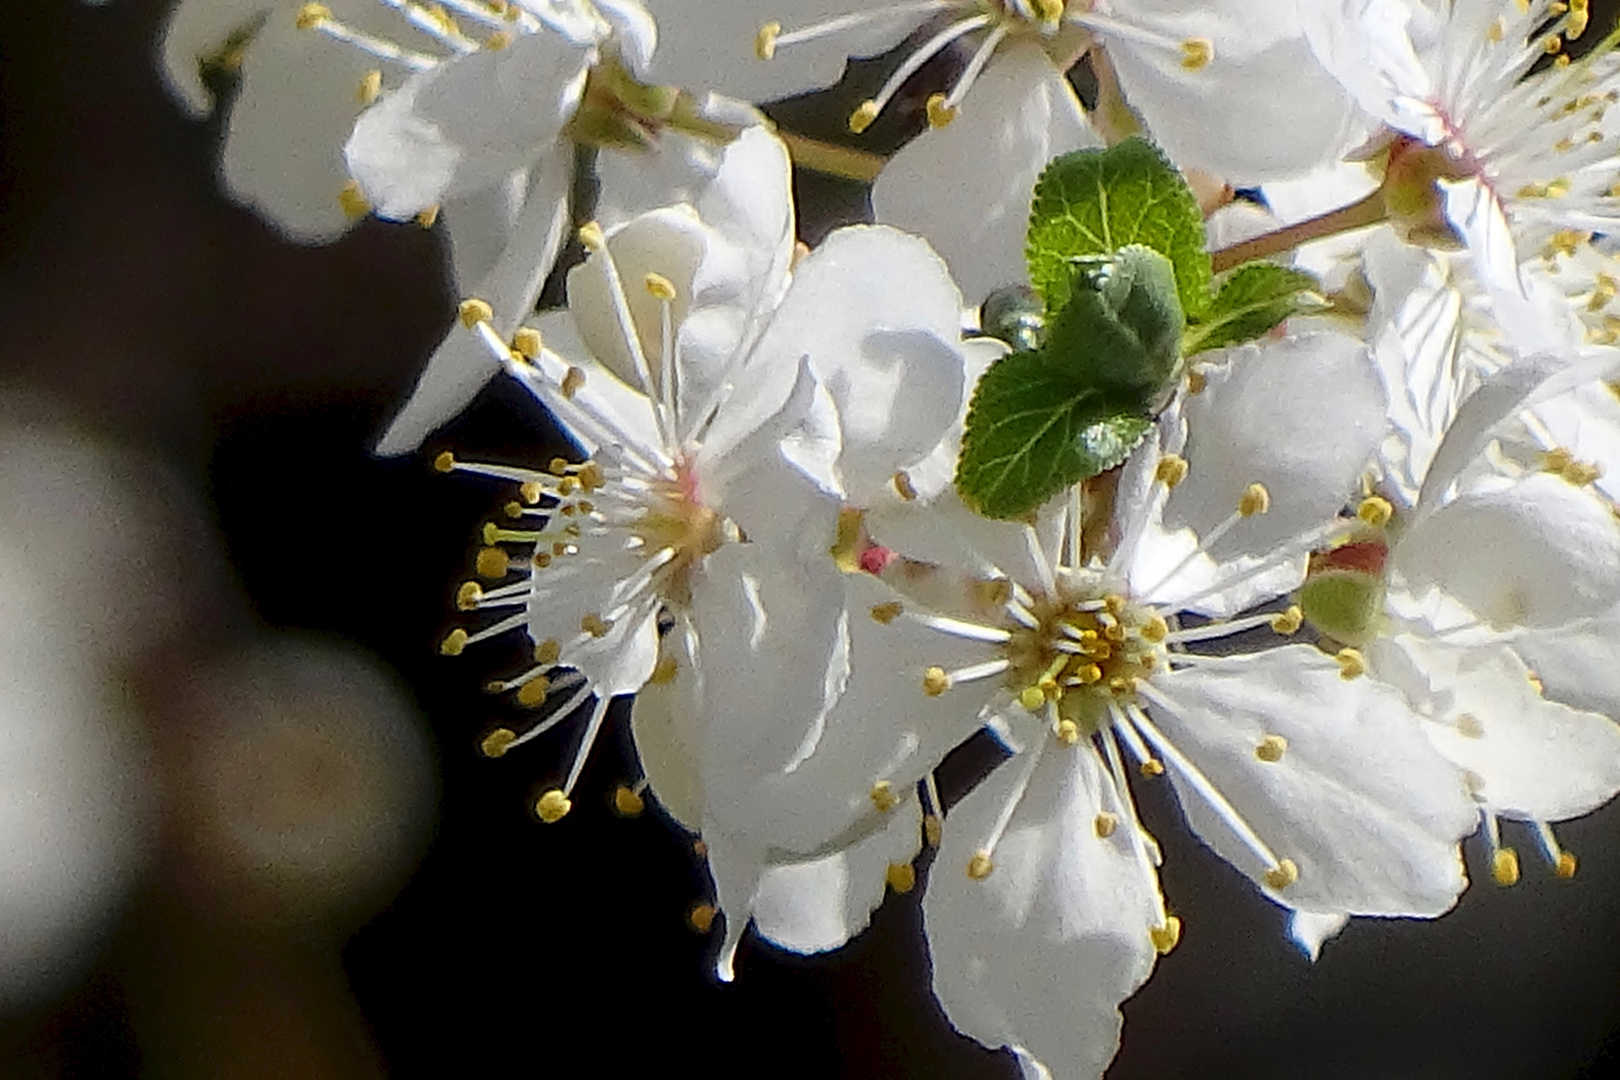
<point>676,522</point>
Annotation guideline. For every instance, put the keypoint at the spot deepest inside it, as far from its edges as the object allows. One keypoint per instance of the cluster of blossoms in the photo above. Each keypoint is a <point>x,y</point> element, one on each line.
<point>1285,472</point>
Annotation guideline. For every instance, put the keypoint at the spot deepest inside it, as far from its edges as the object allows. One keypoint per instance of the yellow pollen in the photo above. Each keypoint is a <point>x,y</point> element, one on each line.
<point>699,848</point>
<point>1497,30</point>
<point>903,486</point>
<point>1032,697</point>
<point>1196,381</point>
<point>497,41</point>
<point>1552,44</point>
<point>445,462</point>
<point>1375,511</point>
<point>1535,682</point>
<point>573,379</point>
<point>530,491</point>
<point>765,40</point>
<point>862,117</point>
<point>887,613</point>
<point>1171,470</point>
<point>1351,663</point>
<point>1565,865</point>
<point>468,595</point>
<point>883,797</point>
<point>590,234</point>
<point>513,509</point>
<point>1256,500</point>
<point>311,16</point>
<point>370,87</point>
<point>935,681</point>
<point>552,807</point>
<point>1105,824</point>
<point>902,878</point>
<point>1047,11</point>
<point>663,672</point>
<point>557,466</point>
<point>594,625</point>
<point>453,643</point>
<point>591,476</point>
<point>1505,867</point>
<point>1469,727</point>
<point>1284,874</point>
<point>1579,17</point>
<point>1196,53</point>
<point>933,830</point>
<point>701,917</point>
<point>1565,242</point>
<point>426,218</point>
<point>940,113</point>
<point>1155,629</point>
<point>980,866</point>
<point>528,342</point>
<point>541,559</point>
<point>845,550</point>
<point>547,651</point>
<point>626,801</point>
<point>532,694</point>
<point>473,311</point>
<point>496,742</point>
<point>352,202</point>
<point>659,286</point>
<point>1165,937</point>
<point>1271,748</point>
<point>1120,684</point>
<point>1068,732</point>
<point>1289,622</point>
<point>1114,604</point>
<point>1152,767</point>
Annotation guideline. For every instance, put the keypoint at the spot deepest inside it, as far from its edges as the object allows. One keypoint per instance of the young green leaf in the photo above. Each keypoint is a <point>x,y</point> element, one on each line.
<point>1094,202</point>
<point>1033,429</point>
<point>1249,302</point>
<point>1123,325</point>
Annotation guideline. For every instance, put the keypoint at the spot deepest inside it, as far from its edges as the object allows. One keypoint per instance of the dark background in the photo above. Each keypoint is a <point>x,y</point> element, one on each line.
<point>177,325</point>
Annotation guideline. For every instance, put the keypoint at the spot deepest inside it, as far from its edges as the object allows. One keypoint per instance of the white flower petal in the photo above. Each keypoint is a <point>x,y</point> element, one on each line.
<point>666,722</point>
<point>1311,930</point>
<point>1361,802</point>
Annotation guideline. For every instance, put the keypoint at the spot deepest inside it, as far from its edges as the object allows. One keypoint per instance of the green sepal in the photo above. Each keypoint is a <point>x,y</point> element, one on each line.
<point>1249,302</point>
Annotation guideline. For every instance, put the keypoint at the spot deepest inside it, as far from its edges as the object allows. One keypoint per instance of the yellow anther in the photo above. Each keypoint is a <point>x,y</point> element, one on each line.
<point>513,509</point>
<point>311,15</point>
<point>591,476</point>
<point>902,877</point>
<point>445,462</point>
<point>594,625</point>
<point>886,613</point>
<point>497,742</point>
<point>903,486</point>
<point>1552,44</point>
<point>935,681</point>
<point>426,218</point>
<point>352,201</point>
<point>627,802</point>
<point>1165,937</point>
<point>1351,663</point>
<point>1469,727</point>
<point>552,807</point>
<point>1105,824</point>
<point>663,672</point>
<point>370,87</point>
<point>659,286</point>
<point>1288,622</point>
<point>939,112</point>
<point>547,652</point>
<point>1375,511</point>
<point>1505,867</point>
<point>1535,682</point>
<point>1196,53</point>
<point>528,343</point>
<point>1565,242</point>
<point>1256,500</point>
<point>980,866</point>
<point>497,41</point>
<point>1152,767</point>
<point>1155,629</point>
<point>453,643</point>
<point>1284,874</point>
<point>541,559</point>
<point>468,595</point>
<point>1032,698</point>
<point>1068,732</point>
<point>1171,470</point>
<point>933,830</point>
<point>1579,17</point>
<point>883,797</point>
<point>1120,685</point>
<point>701,917</point>
<point>1196,381</point>
<point>1271,748</point>
<point>568,485</point>
<point>699,848</point>
<point>557,466</point>
<point>1497,30</point>
<point>765,40</point>
<point>862,117</point>
<point>473,311</point>
<point>572,380</point>
<point>1115,604</point>
<point>532,694</point>
<point>1088,674</point>
<point>1581,473</point>
<point>1564,866</point>
<point>590,234</point>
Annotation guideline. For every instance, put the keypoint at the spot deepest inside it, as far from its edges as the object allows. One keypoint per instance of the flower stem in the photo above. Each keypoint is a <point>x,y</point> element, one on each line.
<point>1367,211</point>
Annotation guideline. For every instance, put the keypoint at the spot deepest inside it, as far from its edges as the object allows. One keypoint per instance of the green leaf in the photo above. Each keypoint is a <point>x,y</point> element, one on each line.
<point>1122,327</point>
<point>1094,202</point>
<point>1249,302</point>
<point>1033,429</point>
